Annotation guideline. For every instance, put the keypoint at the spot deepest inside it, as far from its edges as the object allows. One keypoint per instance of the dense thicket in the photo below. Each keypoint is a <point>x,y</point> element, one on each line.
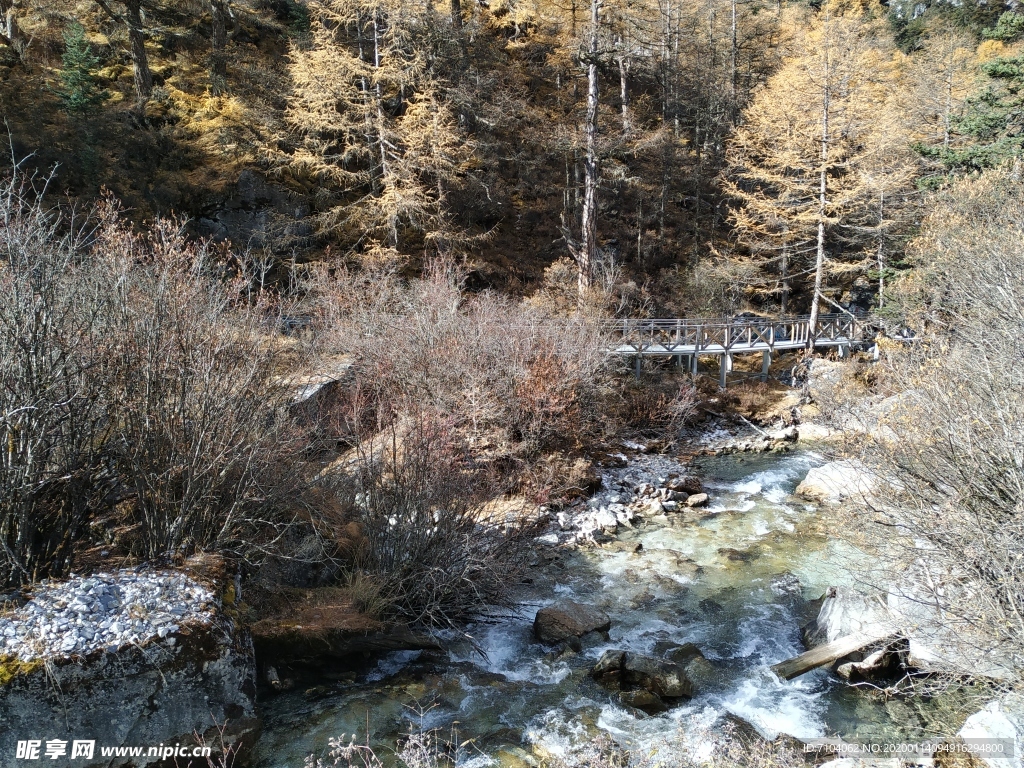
<point>131,373</point>
<point>150,404</point>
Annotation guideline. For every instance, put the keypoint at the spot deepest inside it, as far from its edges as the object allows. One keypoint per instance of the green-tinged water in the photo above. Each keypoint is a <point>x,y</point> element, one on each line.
<point>763,554</point>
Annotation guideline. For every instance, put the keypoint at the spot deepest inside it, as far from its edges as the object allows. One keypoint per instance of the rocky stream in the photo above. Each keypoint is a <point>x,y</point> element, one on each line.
<point>717,592</point>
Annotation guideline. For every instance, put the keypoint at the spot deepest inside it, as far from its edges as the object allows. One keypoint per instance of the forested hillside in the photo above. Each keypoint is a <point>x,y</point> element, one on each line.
<point>684,157</point>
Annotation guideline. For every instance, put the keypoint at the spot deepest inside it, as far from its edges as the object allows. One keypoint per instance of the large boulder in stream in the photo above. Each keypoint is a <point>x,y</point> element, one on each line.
<point>662,678</point>
<point>665,681</point>
<point>837,481</point>
<point>565,620</point>
<point>845,612</point>
<point>1001,724</point>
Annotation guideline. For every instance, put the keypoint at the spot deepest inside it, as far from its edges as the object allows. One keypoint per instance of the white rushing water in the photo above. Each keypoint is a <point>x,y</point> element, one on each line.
<point>735,579</point>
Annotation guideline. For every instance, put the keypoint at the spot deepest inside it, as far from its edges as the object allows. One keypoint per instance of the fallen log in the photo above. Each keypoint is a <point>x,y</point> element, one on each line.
<point>824,654</point>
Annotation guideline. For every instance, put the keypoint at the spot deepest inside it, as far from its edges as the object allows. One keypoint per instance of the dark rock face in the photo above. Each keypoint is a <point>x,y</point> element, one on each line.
<point>643,700</point>
<point>688,485</point>
<point>685,653</point>
<point>259,214</point>
<point>163,692</point>
<point>608,670</point>
<point>561,621</point>
<point>662,678</point>
<point>665,680</point>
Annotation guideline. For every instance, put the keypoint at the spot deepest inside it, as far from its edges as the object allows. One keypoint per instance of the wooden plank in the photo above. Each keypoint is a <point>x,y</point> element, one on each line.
<point>823,654</point>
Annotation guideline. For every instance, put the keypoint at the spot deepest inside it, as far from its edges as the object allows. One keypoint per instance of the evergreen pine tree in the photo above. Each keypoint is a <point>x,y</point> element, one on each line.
<point>79,88</point>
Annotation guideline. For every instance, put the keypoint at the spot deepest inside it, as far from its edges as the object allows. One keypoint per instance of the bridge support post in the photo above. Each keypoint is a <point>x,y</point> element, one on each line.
<point>766,362</point>
<point>844,350</point>
<point>636,365</point>
<point>724,365</point>
<point>693,364</point>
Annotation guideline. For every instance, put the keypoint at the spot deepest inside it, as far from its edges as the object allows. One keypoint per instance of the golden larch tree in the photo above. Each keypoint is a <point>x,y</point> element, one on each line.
<point>814,150</point>
<point>375,134</point>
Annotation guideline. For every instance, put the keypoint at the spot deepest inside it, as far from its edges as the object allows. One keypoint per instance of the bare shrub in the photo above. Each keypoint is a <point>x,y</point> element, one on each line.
<point>432,547</point>
<point>202,436</point>
<point>499,368</point>
<point>558,478</point>
<point>949,451</point>
<point>52,397</point>
<point>751,398</point>
<point>132,374</point>
<point>656,407</point>
<point>729,749</point>
<point>420,749</point>
<point>714,287</point>
<point>609,294</point>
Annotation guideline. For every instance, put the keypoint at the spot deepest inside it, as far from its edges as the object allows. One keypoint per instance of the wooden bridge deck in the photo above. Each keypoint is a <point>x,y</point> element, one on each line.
<point>687,340</point>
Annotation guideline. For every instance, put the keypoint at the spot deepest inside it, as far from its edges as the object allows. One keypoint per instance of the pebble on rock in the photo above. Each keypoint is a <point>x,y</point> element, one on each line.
<point>103,611</point>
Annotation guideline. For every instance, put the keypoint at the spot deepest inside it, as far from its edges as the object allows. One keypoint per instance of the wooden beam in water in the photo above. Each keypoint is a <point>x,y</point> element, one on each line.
<point>823,654</point>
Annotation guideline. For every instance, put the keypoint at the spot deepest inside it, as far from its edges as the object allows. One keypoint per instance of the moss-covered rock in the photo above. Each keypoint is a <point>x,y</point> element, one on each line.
<point>12,668</point>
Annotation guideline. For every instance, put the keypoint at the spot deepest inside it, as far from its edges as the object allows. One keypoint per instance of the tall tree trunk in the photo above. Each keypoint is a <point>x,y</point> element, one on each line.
<point>218,43</point>
<point>947,116</point>
<point>627,120</point>
<point>784,269</point>
<point>368,112</point>
<point>456,8</point>
<point>143,77</point>
<point>734,107</point>
<point>10,33</point>
<point>381,119</point>
<point>588,225</point>
<point>819,262</point>
<point>881,251</point>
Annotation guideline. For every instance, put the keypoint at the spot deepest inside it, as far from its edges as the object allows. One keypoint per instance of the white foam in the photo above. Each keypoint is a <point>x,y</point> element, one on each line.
<point>773,707</point>
<point>740,505</point>
<point>749,487</point>
<point>506,647</point>
<point>556,733</point>
<point>392,664</point>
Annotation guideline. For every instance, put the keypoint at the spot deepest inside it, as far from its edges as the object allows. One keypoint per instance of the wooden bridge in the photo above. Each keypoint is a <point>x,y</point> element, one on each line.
<point>686,340</point>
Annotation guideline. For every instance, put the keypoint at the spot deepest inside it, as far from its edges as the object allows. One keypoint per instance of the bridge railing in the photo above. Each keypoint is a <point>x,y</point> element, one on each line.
<point>734,333</point>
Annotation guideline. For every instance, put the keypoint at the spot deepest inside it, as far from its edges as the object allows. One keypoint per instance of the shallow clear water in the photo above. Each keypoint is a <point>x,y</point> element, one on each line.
<point>763,555</point>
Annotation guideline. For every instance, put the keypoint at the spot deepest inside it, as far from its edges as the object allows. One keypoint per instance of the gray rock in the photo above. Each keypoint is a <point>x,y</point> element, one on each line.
<point>697,500</point>
<point>685,653</point>
<point>844,612</point>
<point>643,700</point>
<point>1002,721</point>
<point>161,693</point>
<point>837,480</point>
<point>664,679</point>
<point>561,621</point>
<point>608,670</point>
